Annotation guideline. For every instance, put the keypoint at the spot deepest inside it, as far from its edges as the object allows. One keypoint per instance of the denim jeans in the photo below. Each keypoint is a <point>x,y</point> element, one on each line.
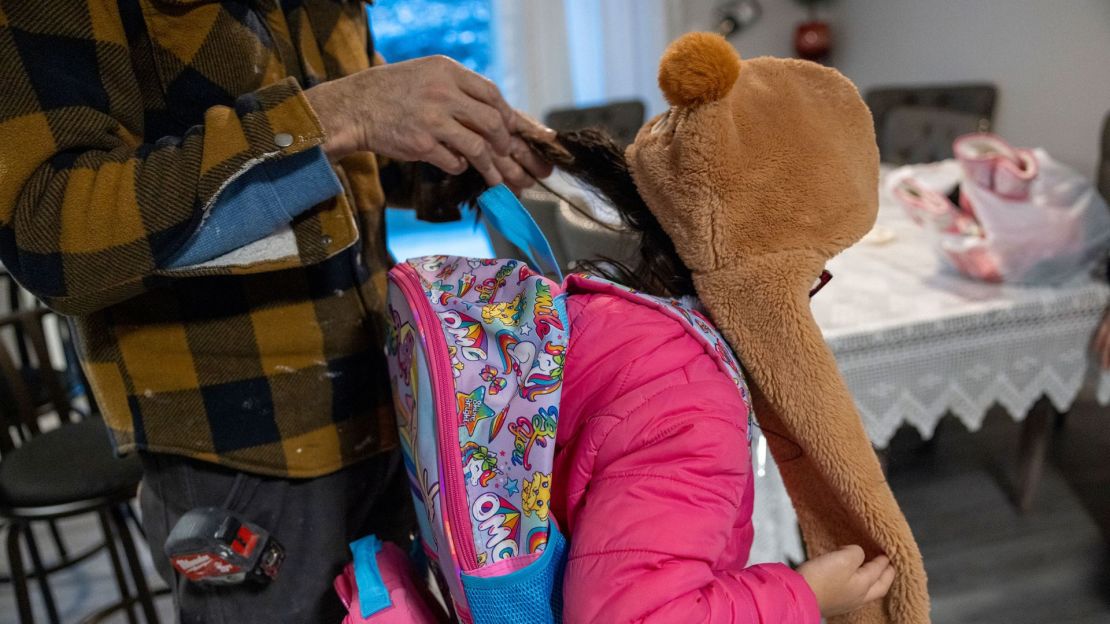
<point>313,519</point>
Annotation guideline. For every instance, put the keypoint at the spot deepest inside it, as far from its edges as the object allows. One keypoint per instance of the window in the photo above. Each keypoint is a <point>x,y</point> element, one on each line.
<point>462,30</point>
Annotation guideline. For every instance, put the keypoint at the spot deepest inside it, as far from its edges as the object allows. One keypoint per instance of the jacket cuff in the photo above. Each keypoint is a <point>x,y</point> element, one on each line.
<point>278,121</point>
<point>262,200</point>
<point>799,588</point>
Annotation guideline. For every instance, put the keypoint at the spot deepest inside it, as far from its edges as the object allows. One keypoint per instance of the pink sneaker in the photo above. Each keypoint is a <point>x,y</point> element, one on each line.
<point>990,162</point>
<point>930,209</point>
<point>1012,180</point>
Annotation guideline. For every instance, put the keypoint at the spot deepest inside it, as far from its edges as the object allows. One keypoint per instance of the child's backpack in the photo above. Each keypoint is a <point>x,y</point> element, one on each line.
<point>476,350</point>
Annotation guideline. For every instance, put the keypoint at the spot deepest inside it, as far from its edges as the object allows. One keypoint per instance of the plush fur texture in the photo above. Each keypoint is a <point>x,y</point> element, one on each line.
<point>758,189</point>
<point>700,67</point>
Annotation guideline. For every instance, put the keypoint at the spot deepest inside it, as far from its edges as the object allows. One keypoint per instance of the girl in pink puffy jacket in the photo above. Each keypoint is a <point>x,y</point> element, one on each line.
<point>652,464</point>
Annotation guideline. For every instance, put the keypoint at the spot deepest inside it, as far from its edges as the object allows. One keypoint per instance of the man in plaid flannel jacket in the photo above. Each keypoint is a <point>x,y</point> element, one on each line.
<point>195,183</point>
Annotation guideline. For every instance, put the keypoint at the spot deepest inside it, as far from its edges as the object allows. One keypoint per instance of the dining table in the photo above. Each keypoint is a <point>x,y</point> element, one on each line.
<point>917,342</point>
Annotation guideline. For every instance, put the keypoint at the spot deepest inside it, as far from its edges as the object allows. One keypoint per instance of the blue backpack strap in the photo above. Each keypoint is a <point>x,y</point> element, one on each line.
<point>373,595</point>
<point>505,214</point>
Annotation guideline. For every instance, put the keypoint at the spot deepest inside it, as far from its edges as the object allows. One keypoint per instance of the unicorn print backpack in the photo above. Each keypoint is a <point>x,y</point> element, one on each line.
<point>476,350</point>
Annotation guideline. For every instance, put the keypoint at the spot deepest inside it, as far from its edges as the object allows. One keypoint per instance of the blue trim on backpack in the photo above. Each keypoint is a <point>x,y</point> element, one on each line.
<point>373,595</point>
<point>531,594</point>
<point>505,214</point>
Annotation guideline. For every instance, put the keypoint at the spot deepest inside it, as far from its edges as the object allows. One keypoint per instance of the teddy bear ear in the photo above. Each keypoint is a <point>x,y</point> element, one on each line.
<point>698,68</point>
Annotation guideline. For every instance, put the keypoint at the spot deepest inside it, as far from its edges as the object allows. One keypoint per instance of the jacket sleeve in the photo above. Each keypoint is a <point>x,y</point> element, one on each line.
<point>663,504</point>
<point>89,213</point>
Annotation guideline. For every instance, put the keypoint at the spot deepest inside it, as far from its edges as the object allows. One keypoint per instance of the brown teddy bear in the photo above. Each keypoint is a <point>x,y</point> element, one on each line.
<point>774,161</point>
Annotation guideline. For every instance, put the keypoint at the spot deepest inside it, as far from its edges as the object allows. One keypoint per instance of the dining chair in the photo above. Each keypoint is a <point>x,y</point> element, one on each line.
<point>49,474</point>
<point>913,123</point>
<point>621,119</point>
<point>922,134</point>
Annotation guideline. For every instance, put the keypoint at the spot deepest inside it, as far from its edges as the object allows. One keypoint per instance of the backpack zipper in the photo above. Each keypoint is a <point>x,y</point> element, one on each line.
<point>447,432</point>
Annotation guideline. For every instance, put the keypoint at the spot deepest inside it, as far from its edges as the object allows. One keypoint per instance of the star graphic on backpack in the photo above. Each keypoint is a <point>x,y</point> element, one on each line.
<point>512,486</point>
<point>473,408</point>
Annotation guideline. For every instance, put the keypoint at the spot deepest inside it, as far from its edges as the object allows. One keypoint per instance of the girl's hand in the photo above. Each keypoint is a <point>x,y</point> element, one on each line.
<point>842,582</point>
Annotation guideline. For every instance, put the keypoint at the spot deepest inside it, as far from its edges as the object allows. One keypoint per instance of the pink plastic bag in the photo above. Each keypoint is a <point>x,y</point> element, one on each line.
<point>391,593</point>
<point>1037,220</point>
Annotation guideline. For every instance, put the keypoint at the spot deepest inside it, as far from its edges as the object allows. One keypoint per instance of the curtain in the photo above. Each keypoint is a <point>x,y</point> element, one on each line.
<point>565,53</point>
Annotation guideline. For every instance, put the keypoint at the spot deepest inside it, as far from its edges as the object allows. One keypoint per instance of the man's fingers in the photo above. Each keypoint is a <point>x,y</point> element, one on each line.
<point>881,586</point>
<point>484,90</point>
<point>486,121</point>
<point>524,125</point>
<point>513,174</point>
<point>526,157</point>
<point>471,146</point>
<point>446,160</point>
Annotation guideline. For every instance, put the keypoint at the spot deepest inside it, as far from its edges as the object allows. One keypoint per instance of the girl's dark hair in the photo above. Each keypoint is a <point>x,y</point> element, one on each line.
<point>593,159</point>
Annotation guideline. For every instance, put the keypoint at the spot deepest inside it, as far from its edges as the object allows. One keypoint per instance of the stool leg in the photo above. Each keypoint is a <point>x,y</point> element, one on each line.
<point>117,566</point>
<point>44,582</point>
<point>131,513</point>
<point>146,599</point>
<point>19,577</point>
<point>59,543</point>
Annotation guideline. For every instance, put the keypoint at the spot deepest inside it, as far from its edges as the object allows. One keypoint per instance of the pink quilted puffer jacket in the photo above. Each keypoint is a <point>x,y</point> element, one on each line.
<point>654,482</point>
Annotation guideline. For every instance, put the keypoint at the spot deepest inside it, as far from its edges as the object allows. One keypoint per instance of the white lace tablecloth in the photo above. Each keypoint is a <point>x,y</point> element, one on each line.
<point>915,342</point>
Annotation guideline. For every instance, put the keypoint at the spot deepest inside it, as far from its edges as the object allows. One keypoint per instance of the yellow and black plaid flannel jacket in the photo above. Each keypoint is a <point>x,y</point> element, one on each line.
<point>120,122</point>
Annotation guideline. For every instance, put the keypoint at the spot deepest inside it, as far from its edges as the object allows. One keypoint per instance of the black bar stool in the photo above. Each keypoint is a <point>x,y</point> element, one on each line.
<point>61,473</point>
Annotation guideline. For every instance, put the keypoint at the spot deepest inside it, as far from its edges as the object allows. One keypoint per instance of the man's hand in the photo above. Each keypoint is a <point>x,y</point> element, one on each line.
<point>433,110</point>
<point>842,582</point>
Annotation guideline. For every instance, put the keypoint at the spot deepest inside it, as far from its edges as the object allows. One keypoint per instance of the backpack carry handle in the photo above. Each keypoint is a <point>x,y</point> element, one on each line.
<point>505,214</point>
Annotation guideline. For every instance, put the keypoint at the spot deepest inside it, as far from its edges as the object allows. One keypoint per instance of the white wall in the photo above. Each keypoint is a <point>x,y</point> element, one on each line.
<point>614,45</point>
<point>772,35</point>
<point>1049,58</point>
